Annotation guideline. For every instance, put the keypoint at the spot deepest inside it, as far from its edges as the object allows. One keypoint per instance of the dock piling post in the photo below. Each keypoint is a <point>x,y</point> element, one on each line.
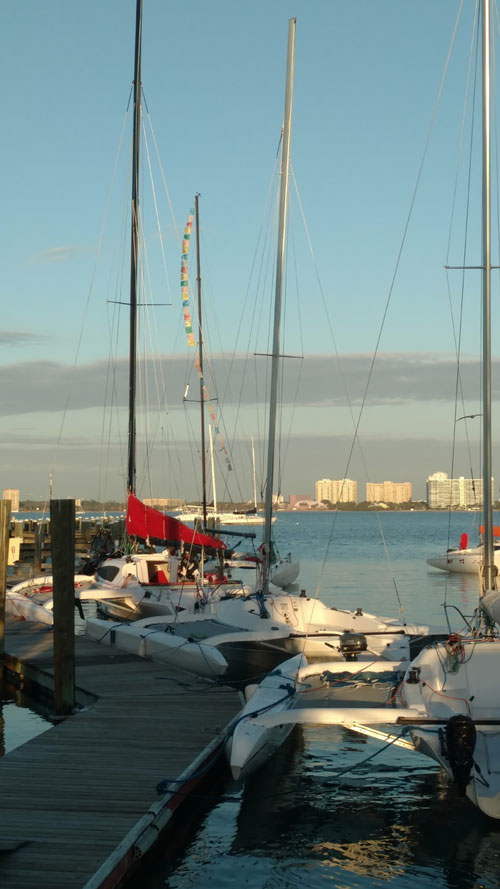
<point>62,524</point>
<point>37,557</point>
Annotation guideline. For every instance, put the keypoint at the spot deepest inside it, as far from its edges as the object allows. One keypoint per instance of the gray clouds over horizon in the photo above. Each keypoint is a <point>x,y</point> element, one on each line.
<point>45,386</point>
<point>18,337</point>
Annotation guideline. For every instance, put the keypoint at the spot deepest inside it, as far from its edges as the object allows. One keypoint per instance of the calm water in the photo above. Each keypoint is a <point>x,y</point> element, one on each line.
<point>20,720</point>
<point>394,819</point>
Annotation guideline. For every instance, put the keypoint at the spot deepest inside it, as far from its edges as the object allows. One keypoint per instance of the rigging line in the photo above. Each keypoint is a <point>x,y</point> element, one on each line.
<point>92,280</point>
<point>257,303</point>
<point>156,364</point>
<point>284,441</point>
<point>257,252</point>
<point>497,196</point>
<point>346,393</point>
<point>163,178</point>
<point>111,389</point>
<point>398,260</point>
<point>155,204</point>
<point>281,377</point>
<point>351,411</point>
<point>407,224</point>
<point>458,341</point>
<point>194,447</point>
<point>266,274</point>
<point>169,444</point>
<point>262,414</point>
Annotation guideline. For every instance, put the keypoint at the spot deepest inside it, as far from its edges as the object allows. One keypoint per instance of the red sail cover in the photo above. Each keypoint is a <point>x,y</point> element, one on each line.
<point>496,530</point>
<point>144,521</point>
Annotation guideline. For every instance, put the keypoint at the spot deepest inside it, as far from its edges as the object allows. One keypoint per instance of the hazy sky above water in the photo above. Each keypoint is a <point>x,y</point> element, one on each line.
<point>367,76</point>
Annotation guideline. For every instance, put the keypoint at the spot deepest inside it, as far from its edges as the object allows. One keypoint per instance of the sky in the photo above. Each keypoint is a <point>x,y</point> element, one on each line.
<point>364,273</point>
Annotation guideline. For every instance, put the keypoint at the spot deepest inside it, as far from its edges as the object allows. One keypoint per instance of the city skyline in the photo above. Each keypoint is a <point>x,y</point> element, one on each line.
<point>441,492</point>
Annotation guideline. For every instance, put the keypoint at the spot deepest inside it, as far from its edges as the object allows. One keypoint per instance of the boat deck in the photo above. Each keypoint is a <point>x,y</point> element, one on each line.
<point>78,803</point>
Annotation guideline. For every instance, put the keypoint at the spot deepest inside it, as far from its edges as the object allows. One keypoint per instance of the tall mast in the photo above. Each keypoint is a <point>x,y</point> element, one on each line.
<point>200,358</point>
<point>134,248</point>
<point>488,568</point>
<point>254,478</point>
<point>275,355</point>
<point>212,467</point>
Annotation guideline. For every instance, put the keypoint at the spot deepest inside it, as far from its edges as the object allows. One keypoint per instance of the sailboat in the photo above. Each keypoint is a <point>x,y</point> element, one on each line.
<point>449,699</point>
<point>454,685</point>
<point>203,513</point>
<point>290,623</point>
<point>271,561</point>
<point>137,582</point>
<point>465,559</point>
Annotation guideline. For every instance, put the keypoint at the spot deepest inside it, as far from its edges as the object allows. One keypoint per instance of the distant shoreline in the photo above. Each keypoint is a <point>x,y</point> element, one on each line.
<point>378,509</point>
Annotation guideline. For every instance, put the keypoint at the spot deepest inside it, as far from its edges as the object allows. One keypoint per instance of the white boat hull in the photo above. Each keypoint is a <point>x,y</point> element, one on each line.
<point>224,518</point>
<point>284,572</point>
<point>462,680</point>
<point>315,629</point>
<point>251,745</point>
<point>32,599</point>
<point>157,644</point>
<point>461,561</point>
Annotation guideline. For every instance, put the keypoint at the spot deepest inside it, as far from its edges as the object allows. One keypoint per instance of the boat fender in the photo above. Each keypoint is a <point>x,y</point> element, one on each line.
<point>460,744</point>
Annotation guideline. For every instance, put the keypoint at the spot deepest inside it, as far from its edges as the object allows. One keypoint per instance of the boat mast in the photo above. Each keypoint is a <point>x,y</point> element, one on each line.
<point>489,565</point>
<point>254,478</point>
<point>200,358</point>
<point>134,248</point>
<point>275,355</point>
<point>212,467</point>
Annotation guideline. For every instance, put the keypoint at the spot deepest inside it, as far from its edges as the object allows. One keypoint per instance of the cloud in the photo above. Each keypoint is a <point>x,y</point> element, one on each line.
<point>89,468</point>
<point>19,337</point>
<point>56,254</point>
<point>319,381</point>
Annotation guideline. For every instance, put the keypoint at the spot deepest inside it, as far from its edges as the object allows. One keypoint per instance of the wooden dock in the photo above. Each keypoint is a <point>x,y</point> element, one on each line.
<point>78,804</point>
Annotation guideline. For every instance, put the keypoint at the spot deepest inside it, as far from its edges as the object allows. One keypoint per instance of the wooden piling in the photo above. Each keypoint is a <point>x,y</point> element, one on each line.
<point>5,506</point>
<point>37,556</point>
<point>62,524</point>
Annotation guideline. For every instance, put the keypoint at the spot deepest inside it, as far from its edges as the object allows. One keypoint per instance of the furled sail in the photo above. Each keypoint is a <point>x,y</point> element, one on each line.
<point>146,522</point>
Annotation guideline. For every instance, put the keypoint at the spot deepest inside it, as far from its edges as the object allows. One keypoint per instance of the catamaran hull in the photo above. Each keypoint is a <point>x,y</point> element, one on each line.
<point>251,745</point>
<point>32,599</point>
<point>159,645</point>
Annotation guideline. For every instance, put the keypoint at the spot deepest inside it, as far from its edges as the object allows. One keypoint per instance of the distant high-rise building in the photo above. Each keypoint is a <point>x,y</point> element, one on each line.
<point>298,498</point>
<point>163,502</point>
<point>455,493</point>
<point>12,494</point>
<point>388,492</point>
<point>336,490</point>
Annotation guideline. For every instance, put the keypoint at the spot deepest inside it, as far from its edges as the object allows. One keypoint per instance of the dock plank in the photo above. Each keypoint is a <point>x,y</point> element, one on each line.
<point>69,796</point>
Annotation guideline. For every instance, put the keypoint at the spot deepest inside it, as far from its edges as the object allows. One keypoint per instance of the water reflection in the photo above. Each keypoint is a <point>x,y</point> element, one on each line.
<point>21,719</point>
<point>399,822</point>
<point>395,820</point>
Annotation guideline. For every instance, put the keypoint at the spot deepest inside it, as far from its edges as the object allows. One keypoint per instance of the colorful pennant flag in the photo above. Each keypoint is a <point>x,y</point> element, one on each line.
<point>189,332</point>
